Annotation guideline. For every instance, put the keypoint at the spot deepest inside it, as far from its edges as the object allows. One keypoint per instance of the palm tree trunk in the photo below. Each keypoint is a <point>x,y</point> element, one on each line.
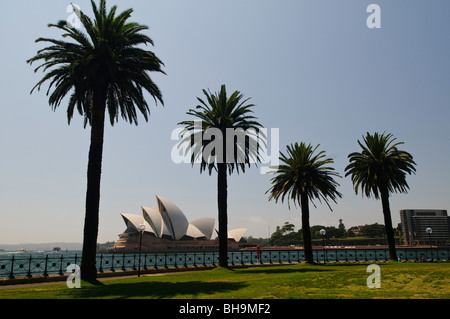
<point>388,223</point>
<point>89,254</point>
<point>223,219</point>
<point>307,244</point>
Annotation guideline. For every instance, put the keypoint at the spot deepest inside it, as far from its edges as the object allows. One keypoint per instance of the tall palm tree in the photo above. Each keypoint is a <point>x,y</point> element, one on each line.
<point>217,116</point>
<point>102,70</point>
<point>304,176</point>
<point>380,169</point>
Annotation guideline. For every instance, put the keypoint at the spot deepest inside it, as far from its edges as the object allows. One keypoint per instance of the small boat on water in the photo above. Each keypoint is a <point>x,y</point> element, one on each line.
<point>56,248</point>
<point>22,250</point>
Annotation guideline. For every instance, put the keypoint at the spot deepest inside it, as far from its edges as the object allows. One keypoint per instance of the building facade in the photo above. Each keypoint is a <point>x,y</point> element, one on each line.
<point>416,221</point>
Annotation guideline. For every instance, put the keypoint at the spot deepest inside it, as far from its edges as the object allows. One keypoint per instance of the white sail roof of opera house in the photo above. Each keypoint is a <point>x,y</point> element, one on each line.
<point>168,221</point>
<point>236,234</point>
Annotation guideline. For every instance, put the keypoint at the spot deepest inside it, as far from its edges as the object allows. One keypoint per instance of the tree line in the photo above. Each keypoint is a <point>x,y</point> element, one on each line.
<point>286,235</point>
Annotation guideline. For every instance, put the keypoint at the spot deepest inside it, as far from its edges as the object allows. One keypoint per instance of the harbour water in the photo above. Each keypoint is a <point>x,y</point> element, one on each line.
<point>37,263</point>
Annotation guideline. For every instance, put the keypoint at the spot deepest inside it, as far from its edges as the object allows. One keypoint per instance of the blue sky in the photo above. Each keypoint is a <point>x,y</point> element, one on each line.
<point>313,68</point>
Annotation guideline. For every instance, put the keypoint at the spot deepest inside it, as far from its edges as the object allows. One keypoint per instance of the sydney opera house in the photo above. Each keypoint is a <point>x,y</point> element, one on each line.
<point>166,228</point>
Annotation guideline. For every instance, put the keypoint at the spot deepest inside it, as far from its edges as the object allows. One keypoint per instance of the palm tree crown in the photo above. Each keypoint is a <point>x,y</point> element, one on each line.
<point>106,60</point>
<point>304,172</point>
<point>221,112</point>
<point>380,165</point>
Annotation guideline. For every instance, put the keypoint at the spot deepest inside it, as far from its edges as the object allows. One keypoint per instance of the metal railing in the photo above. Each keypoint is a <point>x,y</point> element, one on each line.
<point>21,265</point>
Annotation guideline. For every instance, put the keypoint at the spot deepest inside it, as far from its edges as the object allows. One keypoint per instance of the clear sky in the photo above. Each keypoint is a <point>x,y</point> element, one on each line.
<point>313,68</point>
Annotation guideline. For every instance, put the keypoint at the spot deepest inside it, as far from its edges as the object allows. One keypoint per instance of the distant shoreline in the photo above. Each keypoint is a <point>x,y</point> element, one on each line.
<point>41,246</point>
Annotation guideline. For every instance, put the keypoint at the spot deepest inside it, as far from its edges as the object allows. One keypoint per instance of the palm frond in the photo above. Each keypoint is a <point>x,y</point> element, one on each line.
<point>380,164</point>
<point>104,57</point>
<point>228,115</point>
<point>304,171</point>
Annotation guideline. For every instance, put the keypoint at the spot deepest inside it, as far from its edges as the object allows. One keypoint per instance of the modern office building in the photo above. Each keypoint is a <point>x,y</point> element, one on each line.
<point>416,221</point>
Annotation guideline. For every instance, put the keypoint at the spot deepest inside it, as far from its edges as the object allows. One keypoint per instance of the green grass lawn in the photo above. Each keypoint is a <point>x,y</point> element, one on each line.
<point>301,281</point>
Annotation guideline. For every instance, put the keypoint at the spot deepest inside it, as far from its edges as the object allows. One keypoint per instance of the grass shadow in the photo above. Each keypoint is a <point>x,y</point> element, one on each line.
<point>351,264</point>
<point>284,271</point>
<point>156,289</point>
<point>281,270</point>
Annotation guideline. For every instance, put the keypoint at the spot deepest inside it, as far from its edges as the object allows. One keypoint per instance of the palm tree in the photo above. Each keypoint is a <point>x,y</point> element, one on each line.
<point>219,115</point>
<point>102,69</point>
<point>304,176</point>
<point>380,169</point>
